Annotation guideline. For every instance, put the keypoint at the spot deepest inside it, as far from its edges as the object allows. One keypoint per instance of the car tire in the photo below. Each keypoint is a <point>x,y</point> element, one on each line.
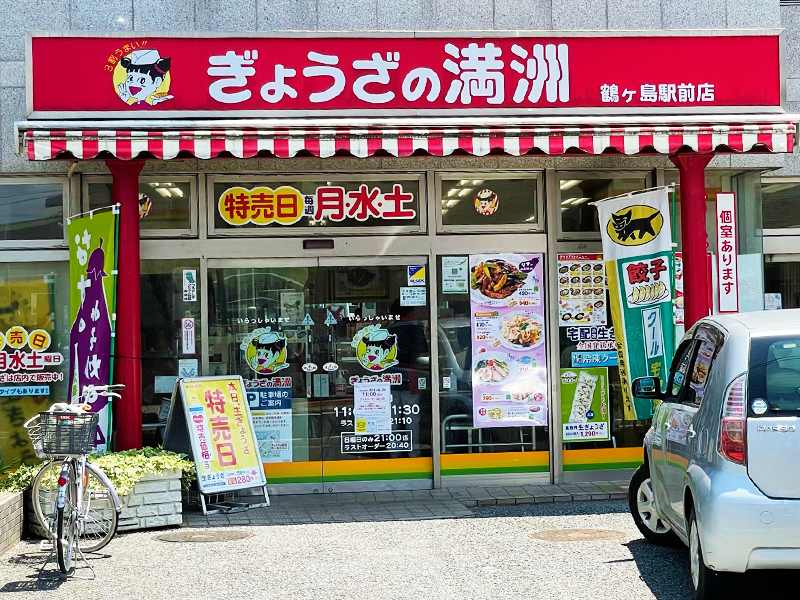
<point>707,584</point>
<point>642,506</point>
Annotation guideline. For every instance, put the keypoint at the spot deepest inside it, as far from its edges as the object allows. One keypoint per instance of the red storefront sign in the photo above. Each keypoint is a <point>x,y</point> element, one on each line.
<point>147,76</point>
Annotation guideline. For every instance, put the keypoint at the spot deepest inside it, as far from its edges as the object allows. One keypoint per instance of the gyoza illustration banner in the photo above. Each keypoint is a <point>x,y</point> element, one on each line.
<point>152,76</point>
<point>92,279</point>
<point>637,247</point>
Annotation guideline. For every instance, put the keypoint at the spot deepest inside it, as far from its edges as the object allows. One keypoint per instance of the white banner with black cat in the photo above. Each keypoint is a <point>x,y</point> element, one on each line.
<point>638,254</point>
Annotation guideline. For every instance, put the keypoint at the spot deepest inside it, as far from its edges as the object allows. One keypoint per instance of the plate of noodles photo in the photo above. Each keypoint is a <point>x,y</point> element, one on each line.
<point>521,330</point>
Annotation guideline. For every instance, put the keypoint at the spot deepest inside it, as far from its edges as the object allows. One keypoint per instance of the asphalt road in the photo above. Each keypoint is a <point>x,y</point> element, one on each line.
<point>490,555</point>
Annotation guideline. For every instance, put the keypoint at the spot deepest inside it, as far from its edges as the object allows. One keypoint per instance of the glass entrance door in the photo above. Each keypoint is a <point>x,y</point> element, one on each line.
<point>307,335</point>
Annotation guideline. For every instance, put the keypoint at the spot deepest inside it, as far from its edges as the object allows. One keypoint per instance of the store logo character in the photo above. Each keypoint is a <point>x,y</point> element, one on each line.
<point>486,202</point>
<point>635,225</point>
<point>265,351</point>
<point>142,78</point>
<point>376,348</point>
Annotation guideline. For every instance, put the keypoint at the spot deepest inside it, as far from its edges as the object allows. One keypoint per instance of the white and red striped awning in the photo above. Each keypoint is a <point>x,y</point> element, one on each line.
<point>41,143</point>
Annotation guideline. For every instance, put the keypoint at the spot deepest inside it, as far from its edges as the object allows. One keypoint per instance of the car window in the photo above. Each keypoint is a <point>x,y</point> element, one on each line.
<point>710,341</point>
<point>774,377</point>
<point>680,367</point>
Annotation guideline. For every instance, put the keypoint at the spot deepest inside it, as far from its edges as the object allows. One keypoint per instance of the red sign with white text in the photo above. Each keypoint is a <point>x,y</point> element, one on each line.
<point>147,76</point>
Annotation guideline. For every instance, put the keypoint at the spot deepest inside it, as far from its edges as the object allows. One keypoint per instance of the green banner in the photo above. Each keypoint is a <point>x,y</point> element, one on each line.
<point>637,248</point>
<point>92,277</point>
<point>585,408</point>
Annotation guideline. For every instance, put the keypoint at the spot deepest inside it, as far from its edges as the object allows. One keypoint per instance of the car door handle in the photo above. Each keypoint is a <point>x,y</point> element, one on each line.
<point>667,426</point>
<point>691,433</point>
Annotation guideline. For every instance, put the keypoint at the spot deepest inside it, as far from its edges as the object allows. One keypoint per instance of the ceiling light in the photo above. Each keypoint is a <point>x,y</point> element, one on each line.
<point>464,192</point>
<point>464,182</point>
<point>453,202</point>
<point>567,201</point>
<point>477,181</point>
<point>164,192</point>
<point>453,192</point>
<point>578,201</point>
<point>570,183</point>
<point>529,219</point>
<point>177,191</point>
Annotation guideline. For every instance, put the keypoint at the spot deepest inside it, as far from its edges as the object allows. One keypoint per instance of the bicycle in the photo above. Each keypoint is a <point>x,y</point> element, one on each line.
<point>73,500</point>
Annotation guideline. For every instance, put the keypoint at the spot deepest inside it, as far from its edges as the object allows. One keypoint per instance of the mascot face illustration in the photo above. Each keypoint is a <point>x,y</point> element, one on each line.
<point>142,78</point>
<point>486,202</point>
<point>265,351</point>
<point>376,348</point>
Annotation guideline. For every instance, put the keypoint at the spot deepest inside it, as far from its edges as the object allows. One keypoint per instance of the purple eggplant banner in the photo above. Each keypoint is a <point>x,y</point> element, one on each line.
<point>92,278</point>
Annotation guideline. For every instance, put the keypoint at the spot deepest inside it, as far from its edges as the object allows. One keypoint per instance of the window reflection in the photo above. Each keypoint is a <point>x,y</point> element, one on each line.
<point>577,195</point>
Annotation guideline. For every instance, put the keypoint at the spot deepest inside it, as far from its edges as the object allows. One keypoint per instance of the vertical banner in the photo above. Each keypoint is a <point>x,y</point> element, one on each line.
<point>92,279</point>
<point>727,269</point>
<point>509,368</point>
<point>637,247</point>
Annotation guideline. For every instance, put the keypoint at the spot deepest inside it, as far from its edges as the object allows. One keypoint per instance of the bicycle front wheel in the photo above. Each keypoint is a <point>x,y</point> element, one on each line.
<point>67,526</point>
<point>97,517</point>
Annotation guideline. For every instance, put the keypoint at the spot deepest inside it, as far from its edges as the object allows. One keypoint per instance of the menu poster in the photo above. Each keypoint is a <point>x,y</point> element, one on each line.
<point>581,290</point>
<point>509,371</point>
<point>585,410</point>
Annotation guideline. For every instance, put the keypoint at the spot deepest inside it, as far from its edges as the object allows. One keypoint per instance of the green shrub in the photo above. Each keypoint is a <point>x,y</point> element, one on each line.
<point>124,469</point>
<point>16,479</point>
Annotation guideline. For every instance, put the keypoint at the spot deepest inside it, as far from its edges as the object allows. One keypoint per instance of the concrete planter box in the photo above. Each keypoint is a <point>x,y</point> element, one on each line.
<point>154,502</point>
<point>10,519</point>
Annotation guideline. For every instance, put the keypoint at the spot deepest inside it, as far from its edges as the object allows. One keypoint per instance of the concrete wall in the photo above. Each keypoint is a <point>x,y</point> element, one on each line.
<point>19,16</point>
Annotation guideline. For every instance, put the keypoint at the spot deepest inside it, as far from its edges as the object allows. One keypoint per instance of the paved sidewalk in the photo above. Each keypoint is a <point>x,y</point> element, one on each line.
<point>414,505</point>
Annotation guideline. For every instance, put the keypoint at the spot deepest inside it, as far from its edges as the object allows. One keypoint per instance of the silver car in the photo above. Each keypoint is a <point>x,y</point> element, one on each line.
<point>721,468</point>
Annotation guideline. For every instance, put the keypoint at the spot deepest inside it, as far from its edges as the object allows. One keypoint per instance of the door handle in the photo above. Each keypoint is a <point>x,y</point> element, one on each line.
<point>667,426</point>
<point>691,433</point>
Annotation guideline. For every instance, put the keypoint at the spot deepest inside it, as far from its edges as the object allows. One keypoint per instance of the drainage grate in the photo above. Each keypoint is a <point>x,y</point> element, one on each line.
<point>203,536</point>
<point>577,535</point>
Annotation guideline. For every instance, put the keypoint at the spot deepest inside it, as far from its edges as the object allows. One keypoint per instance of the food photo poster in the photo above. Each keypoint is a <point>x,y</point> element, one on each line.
<point>509,375</point>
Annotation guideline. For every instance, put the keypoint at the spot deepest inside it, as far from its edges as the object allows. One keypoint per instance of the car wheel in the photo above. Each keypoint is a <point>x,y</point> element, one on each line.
<point>706,583</point>
<point>641,501</point>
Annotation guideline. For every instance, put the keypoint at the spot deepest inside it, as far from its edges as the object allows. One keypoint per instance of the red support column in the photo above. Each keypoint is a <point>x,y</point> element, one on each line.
<point>694,238</point>
<point>128,344</point>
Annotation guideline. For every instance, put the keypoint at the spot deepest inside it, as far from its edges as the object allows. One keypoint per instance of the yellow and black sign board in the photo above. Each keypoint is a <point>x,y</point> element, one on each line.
<point>634,225</point>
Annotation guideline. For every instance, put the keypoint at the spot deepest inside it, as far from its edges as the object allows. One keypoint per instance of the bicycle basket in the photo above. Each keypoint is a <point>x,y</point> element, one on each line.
<point>64,433</point>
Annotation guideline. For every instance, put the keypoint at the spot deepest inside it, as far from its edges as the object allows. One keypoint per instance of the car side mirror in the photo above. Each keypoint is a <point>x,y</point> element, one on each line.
<point>648,388</point>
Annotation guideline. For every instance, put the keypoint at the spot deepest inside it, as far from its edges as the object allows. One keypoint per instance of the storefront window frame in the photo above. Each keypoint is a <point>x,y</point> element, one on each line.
<point>555,196</point>
<point>307,232</point>
<point>765,181</point>
<point>179,232</point>
<point>537,226</point>
<point>65,204</point>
